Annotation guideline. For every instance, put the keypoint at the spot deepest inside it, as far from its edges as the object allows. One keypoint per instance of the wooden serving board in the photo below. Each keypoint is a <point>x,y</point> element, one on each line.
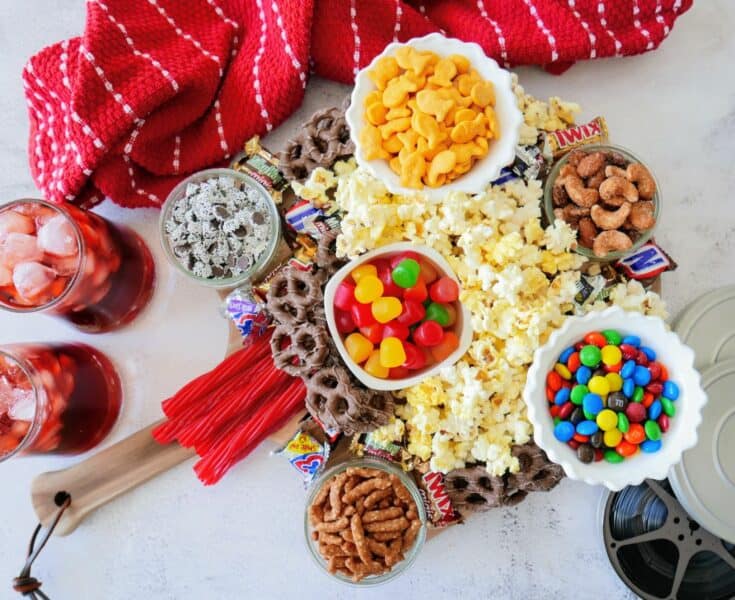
<point>124,466</point>
<point>119,468</point>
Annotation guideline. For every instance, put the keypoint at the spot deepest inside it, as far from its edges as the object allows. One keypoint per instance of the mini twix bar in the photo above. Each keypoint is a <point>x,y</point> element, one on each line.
<point>558,143</point>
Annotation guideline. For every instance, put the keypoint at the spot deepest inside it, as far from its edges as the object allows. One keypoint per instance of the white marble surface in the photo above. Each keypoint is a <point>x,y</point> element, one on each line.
<point>173,539</point>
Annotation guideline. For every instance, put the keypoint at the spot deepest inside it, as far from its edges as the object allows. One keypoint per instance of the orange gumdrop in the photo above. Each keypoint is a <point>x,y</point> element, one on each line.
<point>449,343</point>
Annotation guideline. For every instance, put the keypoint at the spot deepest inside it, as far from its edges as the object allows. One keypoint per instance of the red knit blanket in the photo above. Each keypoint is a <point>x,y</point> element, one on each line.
<point>156,89</point>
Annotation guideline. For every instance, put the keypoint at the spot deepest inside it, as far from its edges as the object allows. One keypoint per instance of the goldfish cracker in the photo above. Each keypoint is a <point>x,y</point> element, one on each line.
<point>376,113</point>
<point>412,170</point>
<point>408,138</point>
<point>358,347</point>
<point>395,93</point>
<point>463,114</point>
<point>393,127</point>
<point>464,84</point>
<point>442,164</point>
<point>483,93</point>
<point>461,62</point>
<point>373,97</point>
<point>429,101</point>
<point>395,165</point>
<point>398,112</point>
<point>462,168</point>
<point>372,143</point>
<point>364,269</point>
<point>386,309</point>
<point>492,122</point>
<point>393,144</point>
<point>392,353</point>
<point>385,69</point>
<point>428,128</point>
<point>444,71</point>
<point>368,289</point>
<point>373,367</point>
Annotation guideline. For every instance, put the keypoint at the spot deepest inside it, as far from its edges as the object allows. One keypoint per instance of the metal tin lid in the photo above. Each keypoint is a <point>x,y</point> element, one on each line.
<point>704,480</point>
<point>707,326</point>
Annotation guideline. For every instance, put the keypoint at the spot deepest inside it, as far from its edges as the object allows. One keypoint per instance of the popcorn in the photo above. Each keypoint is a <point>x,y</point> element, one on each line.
<point>518,281</point>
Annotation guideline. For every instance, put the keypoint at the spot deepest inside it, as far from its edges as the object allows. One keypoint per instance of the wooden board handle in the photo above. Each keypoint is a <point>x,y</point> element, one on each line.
<point>102,477</point>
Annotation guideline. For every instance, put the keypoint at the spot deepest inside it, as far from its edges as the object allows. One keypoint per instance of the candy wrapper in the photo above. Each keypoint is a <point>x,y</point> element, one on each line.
<point>306,454</point>
<point>247,313</point>
<point>437,503</point>
<point>646,264</point>
<point>262,166</point>
<point>557,143</point>
<point>306,218</point>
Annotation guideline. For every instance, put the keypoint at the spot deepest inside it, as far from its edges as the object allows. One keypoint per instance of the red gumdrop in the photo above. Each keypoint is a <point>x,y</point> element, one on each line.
<point>635,412</point>
<point>613,368</point>
<point>566,410</point>
<point>403,255</point>
<point>655,369</point>
<point>344,295</point>
<point>573,444</point>
<point>444,289</point>
<point>599,454</point>
<point>374,332</point>
<point>641,358</point>
<point>415,358</point>
<point>655,388</point>
<point>428,334</point>
<point>428,272</point>
<point>664,423</point>
<point>398,373</point>
<point>595,338</point>
<point>397,330</point>
<point>413,312</point>
<point>417,293</point>
<point>554,410</point>
<point>385,275</point>
<point>362,314</point>
<point>629,352</point>
<point>344,321</point>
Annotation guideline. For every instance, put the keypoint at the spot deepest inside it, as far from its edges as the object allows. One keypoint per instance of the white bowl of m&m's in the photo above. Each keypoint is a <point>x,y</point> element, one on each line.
<point>614,398</point>
<point>395,316</point>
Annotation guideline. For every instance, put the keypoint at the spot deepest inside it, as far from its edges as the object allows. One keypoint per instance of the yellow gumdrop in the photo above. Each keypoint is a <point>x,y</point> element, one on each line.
<point>563,370</point>
<point>612,438</point>
<point>611,355</point>
<point>373,366</point>
<point>364,269</point>
<point>358,347</point>
<point>615,381</point>
<point>386,309</point>
<point>392,353</point>
<point>599,385</point>
<point>607,419</point>
<point>368,289</point>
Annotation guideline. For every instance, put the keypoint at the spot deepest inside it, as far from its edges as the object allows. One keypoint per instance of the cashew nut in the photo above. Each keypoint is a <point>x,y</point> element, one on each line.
<point>579,194</point>
<point>643,179</point>
<point>613,171</point>
<point>559,195</point>
<point>617,186</point>
<point>610,219</point>
<point>567,169</point>
<point>615,201</point>
<point>641,215</point>
<point>587,232</point>
<point>595,180</point>
<point>575,156</point>
<point>590,164</point>
<point>615,158</point>
<point>610,241</point>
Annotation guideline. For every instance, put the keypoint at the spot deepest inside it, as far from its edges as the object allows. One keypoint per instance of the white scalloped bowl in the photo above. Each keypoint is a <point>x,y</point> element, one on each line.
<point>462,326</point>
<point>679,361</point>
<point>501,152</point>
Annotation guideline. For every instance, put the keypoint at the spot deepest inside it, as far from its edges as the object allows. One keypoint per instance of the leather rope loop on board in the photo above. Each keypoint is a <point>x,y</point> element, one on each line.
<point>24,584</point>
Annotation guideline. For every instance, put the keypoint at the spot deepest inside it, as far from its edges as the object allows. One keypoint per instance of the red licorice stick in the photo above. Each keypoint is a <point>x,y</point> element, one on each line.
<point>207,382</point>
<point>273,414</point>
<point>241,402</point>
<point>202,408</point>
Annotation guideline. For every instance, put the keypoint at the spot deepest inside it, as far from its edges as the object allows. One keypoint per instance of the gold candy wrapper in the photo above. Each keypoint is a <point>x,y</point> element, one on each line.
<point>558,143</point>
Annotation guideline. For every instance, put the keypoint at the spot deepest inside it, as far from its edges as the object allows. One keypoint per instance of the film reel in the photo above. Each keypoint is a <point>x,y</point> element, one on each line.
<point>660,552</point>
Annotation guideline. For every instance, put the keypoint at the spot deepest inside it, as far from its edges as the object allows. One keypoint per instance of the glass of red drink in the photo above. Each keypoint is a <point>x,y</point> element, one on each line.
<point>55,398</point>
<point>72,263</point>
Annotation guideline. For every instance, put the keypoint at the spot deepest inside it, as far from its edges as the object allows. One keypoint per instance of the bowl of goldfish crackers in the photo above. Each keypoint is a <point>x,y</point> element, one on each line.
<point>434,115</point>
<point>395,316</point>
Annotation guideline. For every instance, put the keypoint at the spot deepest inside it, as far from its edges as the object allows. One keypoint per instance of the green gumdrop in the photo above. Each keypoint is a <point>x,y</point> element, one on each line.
<point>406,273</point>
<point>613,457</point>
<point>588,415</point>
<point>557,420</point>
<point>437,312</point>
<point>612,337</point>
<point>590,356</point>
<point>623,423</point>
<point>579,391</point>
